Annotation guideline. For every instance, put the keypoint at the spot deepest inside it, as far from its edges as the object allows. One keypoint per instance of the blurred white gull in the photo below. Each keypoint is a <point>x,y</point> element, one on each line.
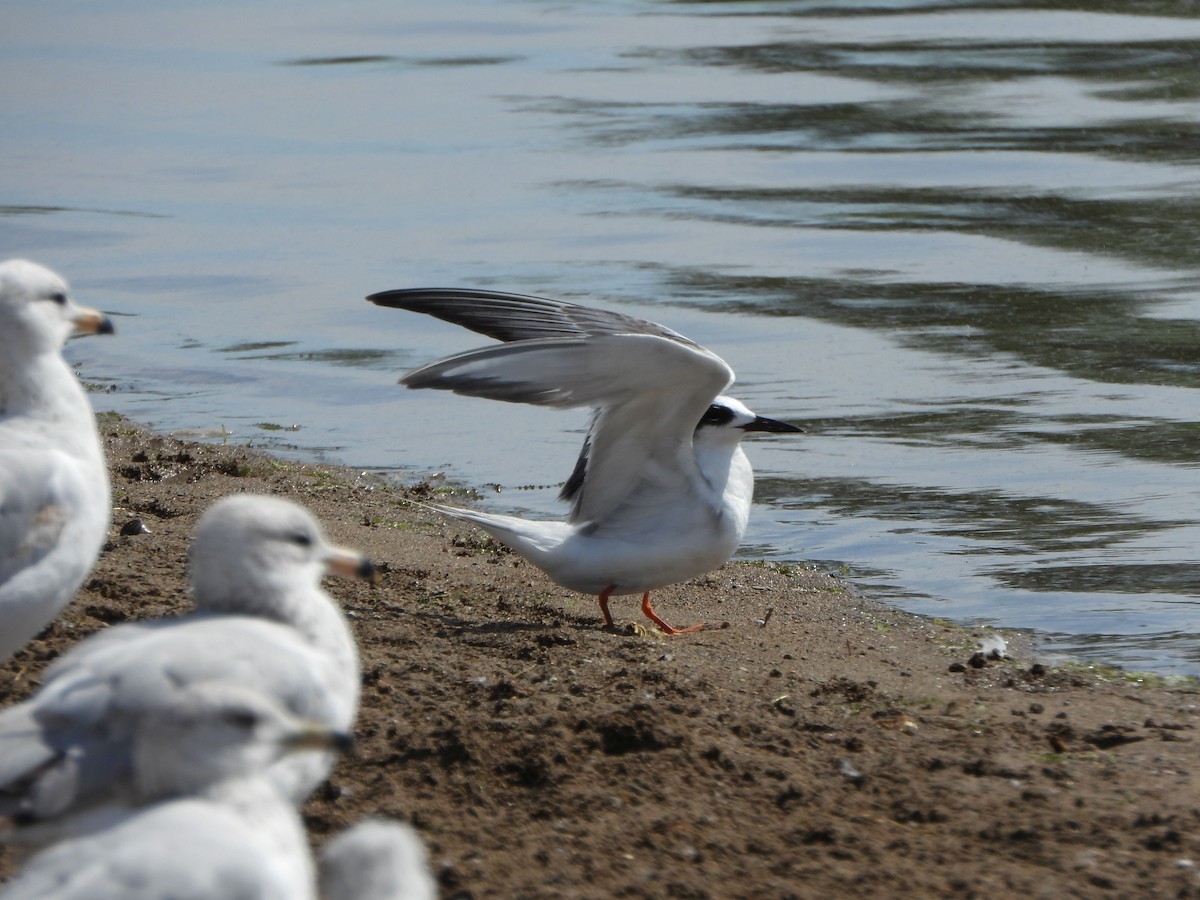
<point>214,827</point>
<point>661,492</point>
<point>261,622</point>
<point>376,859</point>
<point>55,504</point>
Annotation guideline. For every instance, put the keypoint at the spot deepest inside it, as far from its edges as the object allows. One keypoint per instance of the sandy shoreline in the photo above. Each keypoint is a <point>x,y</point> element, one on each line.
<point>810,742</point>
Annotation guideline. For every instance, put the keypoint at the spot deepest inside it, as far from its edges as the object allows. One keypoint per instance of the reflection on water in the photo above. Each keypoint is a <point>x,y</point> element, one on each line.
<point>957,241</point>
<point>359,60</point>
<point>1098,334</point>
<point>388,360</point>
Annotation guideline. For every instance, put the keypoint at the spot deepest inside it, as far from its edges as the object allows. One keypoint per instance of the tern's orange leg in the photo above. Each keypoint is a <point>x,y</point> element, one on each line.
<point>667,629</point>
<point>604,595</point>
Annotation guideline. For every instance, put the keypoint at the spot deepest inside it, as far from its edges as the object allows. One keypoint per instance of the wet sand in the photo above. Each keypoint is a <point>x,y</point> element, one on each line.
<point>809,742</point>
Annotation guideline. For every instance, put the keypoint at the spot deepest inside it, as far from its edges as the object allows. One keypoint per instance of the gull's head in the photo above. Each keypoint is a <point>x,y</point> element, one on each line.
<point>37,314</point>
<point>376,858</point>
<point>257,554</point>
<point>217,730</point>
<point>727,421</point>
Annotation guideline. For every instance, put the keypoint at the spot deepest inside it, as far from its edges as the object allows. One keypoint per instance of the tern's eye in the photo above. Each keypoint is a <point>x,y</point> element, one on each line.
<point>717,415</point>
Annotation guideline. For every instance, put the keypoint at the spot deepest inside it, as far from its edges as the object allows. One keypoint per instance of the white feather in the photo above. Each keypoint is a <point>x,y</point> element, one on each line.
<point>662,491</point>
<point>54,494</point>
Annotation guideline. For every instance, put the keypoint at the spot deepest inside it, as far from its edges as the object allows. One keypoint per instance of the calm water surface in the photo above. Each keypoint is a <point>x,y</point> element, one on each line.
<point>957,241</point>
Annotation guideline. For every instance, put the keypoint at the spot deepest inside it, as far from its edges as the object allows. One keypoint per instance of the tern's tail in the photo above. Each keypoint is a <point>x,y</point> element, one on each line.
<point>536,541</point>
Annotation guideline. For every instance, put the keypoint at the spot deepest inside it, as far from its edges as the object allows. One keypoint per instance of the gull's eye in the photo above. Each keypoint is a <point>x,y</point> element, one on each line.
<point>58,297</point>
<point>302,539</point>
<point>242,718</point>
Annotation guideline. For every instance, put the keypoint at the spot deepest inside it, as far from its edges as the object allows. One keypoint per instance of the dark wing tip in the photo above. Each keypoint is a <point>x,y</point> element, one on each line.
<point>394,299</point>
<point>573,486</point>
<point>516,317</point>
<point>403,298</point>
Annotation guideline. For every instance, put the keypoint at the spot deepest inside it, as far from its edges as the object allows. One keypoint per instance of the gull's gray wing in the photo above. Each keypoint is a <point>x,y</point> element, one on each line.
<point>38,496</point>
<point>46,540</point>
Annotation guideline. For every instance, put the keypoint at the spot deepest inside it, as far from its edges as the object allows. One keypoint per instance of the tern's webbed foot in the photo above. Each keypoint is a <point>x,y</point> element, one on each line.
<point>650,614</point>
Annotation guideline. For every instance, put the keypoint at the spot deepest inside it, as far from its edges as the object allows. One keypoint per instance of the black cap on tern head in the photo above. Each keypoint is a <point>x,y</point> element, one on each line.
<point>726,412</point>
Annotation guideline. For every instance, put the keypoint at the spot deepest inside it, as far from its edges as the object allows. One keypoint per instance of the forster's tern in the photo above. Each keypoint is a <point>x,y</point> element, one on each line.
<point>661,491</point>
<point>262,623</point>
<point>54,496</point>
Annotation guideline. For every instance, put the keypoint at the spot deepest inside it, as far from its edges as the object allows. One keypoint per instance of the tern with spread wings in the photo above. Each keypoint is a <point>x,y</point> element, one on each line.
<point>661,491</point>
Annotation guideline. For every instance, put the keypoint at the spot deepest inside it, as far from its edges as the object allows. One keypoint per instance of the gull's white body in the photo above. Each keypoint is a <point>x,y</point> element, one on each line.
<point>661,494</point>
<point>55,504</point>
<point>262,621</point>
<point>251,845</point>
<point>211,827</point>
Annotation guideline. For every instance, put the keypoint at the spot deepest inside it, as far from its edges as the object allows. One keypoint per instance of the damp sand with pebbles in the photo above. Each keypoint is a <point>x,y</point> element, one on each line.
<point>809,742</point>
